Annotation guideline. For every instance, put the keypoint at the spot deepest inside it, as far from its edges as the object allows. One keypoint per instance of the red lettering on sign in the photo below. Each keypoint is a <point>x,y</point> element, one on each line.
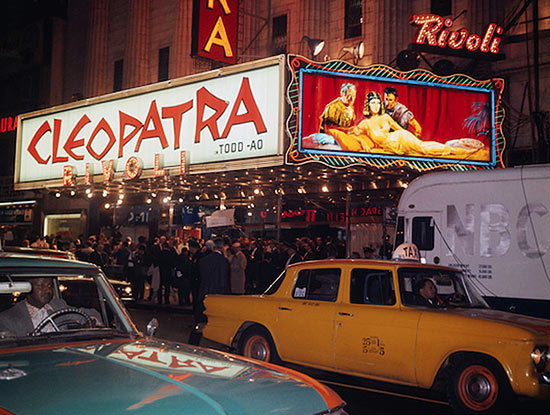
<point>157,171</point>
<point>72,143</point>
<point>129,354</point>
<point>176,363</point>
<point>154,117</point>
<point>8,124</point>
<point>68,176</point>
<point>44,128</point>
<point>124,121</point>
<point>153,358</point>
<point>102,125</point>
<point>431,25</point>
<point>55,142</point>
<point>252,113</point>
<point>87,174</point>
<point>107,170</point>
<point>132,168</point>
<point>211,369</point>
<point>204,99</point>
<point>176,113</point>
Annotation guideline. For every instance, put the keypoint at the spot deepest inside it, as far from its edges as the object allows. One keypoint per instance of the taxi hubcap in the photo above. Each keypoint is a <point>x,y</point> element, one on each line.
<point>478,388</point>
<point>257,348</point>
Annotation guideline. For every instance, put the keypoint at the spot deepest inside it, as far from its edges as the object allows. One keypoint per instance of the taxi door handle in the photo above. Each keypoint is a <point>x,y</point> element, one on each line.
<point>345,314</point>
<point>285,308</point>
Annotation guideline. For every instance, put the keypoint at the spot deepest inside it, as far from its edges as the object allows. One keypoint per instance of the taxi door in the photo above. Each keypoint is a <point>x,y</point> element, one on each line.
<point>305,328</point>
<point>374,337</point>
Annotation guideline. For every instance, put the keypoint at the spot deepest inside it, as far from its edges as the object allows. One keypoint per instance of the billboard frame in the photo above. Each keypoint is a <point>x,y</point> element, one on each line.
<point>339,159</point>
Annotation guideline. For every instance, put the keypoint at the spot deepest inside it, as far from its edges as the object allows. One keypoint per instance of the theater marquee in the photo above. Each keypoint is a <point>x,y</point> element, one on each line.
<point>344,115</point>
<point>225,119</point>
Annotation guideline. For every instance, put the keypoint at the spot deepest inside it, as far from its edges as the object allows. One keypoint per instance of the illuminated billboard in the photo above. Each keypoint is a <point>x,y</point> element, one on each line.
<point>344,115</point>
<point>225,119</point>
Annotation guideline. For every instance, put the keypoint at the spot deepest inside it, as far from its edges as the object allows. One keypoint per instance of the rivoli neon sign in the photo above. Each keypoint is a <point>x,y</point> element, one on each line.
<point>434,31</point>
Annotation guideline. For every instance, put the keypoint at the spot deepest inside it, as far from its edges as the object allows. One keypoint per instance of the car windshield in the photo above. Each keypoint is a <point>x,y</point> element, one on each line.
<point>37,305</point>
<point>426,287</point>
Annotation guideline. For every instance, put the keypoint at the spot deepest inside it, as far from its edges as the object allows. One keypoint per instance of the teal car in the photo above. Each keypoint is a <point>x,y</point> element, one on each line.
<point>94,360</point>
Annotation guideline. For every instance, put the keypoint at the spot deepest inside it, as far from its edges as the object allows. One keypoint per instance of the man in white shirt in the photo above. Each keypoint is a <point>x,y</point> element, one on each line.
<point>23,318</point>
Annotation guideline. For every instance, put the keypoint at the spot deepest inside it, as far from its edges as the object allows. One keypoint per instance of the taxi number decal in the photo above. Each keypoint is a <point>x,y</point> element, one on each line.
<point>373,344</point>
<point>300,292</point>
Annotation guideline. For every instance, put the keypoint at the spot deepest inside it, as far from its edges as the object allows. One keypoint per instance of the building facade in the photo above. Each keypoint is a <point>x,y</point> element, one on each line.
<point>88,48</point>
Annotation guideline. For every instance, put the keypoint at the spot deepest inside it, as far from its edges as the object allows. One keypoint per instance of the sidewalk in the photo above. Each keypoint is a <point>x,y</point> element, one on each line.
<point>173,306</point>
<point>152,305</point>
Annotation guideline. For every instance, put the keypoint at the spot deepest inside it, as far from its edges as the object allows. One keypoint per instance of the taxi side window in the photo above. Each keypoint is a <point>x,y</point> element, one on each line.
<point>317,284</point>
<point>372,287</point>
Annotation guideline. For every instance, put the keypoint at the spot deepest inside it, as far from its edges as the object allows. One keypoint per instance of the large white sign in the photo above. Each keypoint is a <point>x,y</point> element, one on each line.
<point>219,118</point>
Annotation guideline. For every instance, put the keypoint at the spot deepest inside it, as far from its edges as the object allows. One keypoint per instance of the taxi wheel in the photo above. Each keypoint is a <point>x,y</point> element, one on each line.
<point>478,387</point>
<point>257,343</point>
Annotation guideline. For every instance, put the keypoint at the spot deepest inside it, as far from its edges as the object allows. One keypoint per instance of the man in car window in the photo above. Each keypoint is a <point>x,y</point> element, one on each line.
<point>427,293</point>
<point>22,318</point>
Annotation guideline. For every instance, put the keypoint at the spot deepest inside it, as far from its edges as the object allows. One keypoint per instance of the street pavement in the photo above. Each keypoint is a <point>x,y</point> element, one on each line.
<point>176,323</point>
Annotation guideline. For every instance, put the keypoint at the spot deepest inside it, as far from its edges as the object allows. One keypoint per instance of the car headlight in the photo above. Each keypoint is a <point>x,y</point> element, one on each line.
<point>540,357</point>
<point>128,290</point>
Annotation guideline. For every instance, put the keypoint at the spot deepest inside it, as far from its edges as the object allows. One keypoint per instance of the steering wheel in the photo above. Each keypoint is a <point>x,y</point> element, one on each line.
<point>63,311</point>
<point>455,299</point>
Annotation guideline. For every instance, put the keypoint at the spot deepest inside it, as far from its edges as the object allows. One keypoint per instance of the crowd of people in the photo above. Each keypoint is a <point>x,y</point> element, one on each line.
<point>182,270</point>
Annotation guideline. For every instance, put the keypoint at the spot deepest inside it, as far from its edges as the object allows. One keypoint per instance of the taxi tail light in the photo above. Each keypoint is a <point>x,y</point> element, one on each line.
<point>540,356</point>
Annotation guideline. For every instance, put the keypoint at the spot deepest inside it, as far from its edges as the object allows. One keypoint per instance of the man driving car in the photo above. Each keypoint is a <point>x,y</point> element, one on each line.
<point>25,316</point>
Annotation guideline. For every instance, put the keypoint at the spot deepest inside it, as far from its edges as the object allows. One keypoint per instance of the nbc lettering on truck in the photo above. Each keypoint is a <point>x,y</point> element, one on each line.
<point>494,224</point>
<point>229,115</point>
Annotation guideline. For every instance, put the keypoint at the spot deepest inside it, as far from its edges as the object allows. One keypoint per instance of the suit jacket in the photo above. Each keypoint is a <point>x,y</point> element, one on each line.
<point>17,319</point>
<point>424,302</point>
<point>214,274</point>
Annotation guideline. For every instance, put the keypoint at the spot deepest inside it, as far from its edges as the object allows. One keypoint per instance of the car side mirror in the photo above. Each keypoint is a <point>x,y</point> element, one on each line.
<point>152,327</point>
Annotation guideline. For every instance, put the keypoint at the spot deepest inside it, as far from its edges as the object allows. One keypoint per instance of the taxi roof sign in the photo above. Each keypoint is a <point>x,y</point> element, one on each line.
<point>406,252</point>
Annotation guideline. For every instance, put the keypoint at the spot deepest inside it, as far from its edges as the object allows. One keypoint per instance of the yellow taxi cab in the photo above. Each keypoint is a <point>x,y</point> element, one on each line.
<point>395,321</point>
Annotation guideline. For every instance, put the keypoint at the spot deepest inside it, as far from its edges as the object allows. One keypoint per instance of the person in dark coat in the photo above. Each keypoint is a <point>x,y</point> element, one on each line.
<point>214,279</point>
<point>214,272</point>
<point>195,255</point>
<point>182,280</point>
<point>166,266</point>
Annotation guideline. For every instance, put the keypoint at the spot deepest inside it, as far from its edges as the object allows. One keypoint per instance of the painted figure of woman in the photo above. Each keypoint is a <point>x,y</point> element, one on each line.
<point>387,135</point>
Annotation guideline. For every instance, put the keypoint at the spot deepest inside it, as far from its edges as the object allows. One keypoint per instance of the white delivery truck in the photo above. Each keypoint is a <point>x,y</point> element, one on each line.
<point>493,224</point>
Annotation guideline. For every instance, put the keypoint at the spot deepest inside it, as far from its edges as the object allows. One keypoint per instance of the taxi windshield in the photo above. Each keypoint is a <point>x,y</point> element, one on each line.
<point>52,305</point>
<point>437,288</point>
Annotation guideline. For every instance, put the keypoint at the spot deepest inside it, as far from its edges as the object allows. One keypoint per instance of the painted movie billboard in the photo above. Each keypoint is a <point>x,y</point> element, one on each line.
<point>379,114</point>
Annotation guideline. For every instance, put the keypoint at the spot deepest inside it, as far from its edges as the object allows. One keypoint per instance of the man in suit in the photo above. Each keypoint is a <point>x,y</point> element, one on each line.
<point>214,272</point>
<point>213,279</point>
<point>23,318</point>
<point>427,293</point>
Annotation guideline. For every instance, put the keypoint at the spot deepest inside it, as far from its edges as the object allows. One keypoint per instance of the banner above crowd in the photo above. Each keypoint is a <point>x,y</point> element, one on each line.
<point>344,115</point>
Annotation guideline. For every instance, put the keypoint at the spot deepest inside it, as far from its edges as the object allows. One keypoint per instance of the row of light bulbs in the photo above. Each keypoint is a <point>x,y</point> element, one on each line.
<point>221,195</point>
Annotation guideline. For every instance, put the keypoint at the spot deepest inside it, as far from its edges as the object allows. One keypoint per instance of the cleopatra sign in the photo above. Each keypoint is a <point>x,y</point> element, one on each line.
<point>436,31</point>
<point>215,30</point>
<point>230,116</point>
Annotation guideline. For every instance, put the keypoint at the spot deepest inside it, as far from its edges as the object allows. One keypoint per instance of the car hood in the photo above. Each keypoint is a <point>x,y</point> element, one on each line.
<point>537,326</point>
<point>150,377</point>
